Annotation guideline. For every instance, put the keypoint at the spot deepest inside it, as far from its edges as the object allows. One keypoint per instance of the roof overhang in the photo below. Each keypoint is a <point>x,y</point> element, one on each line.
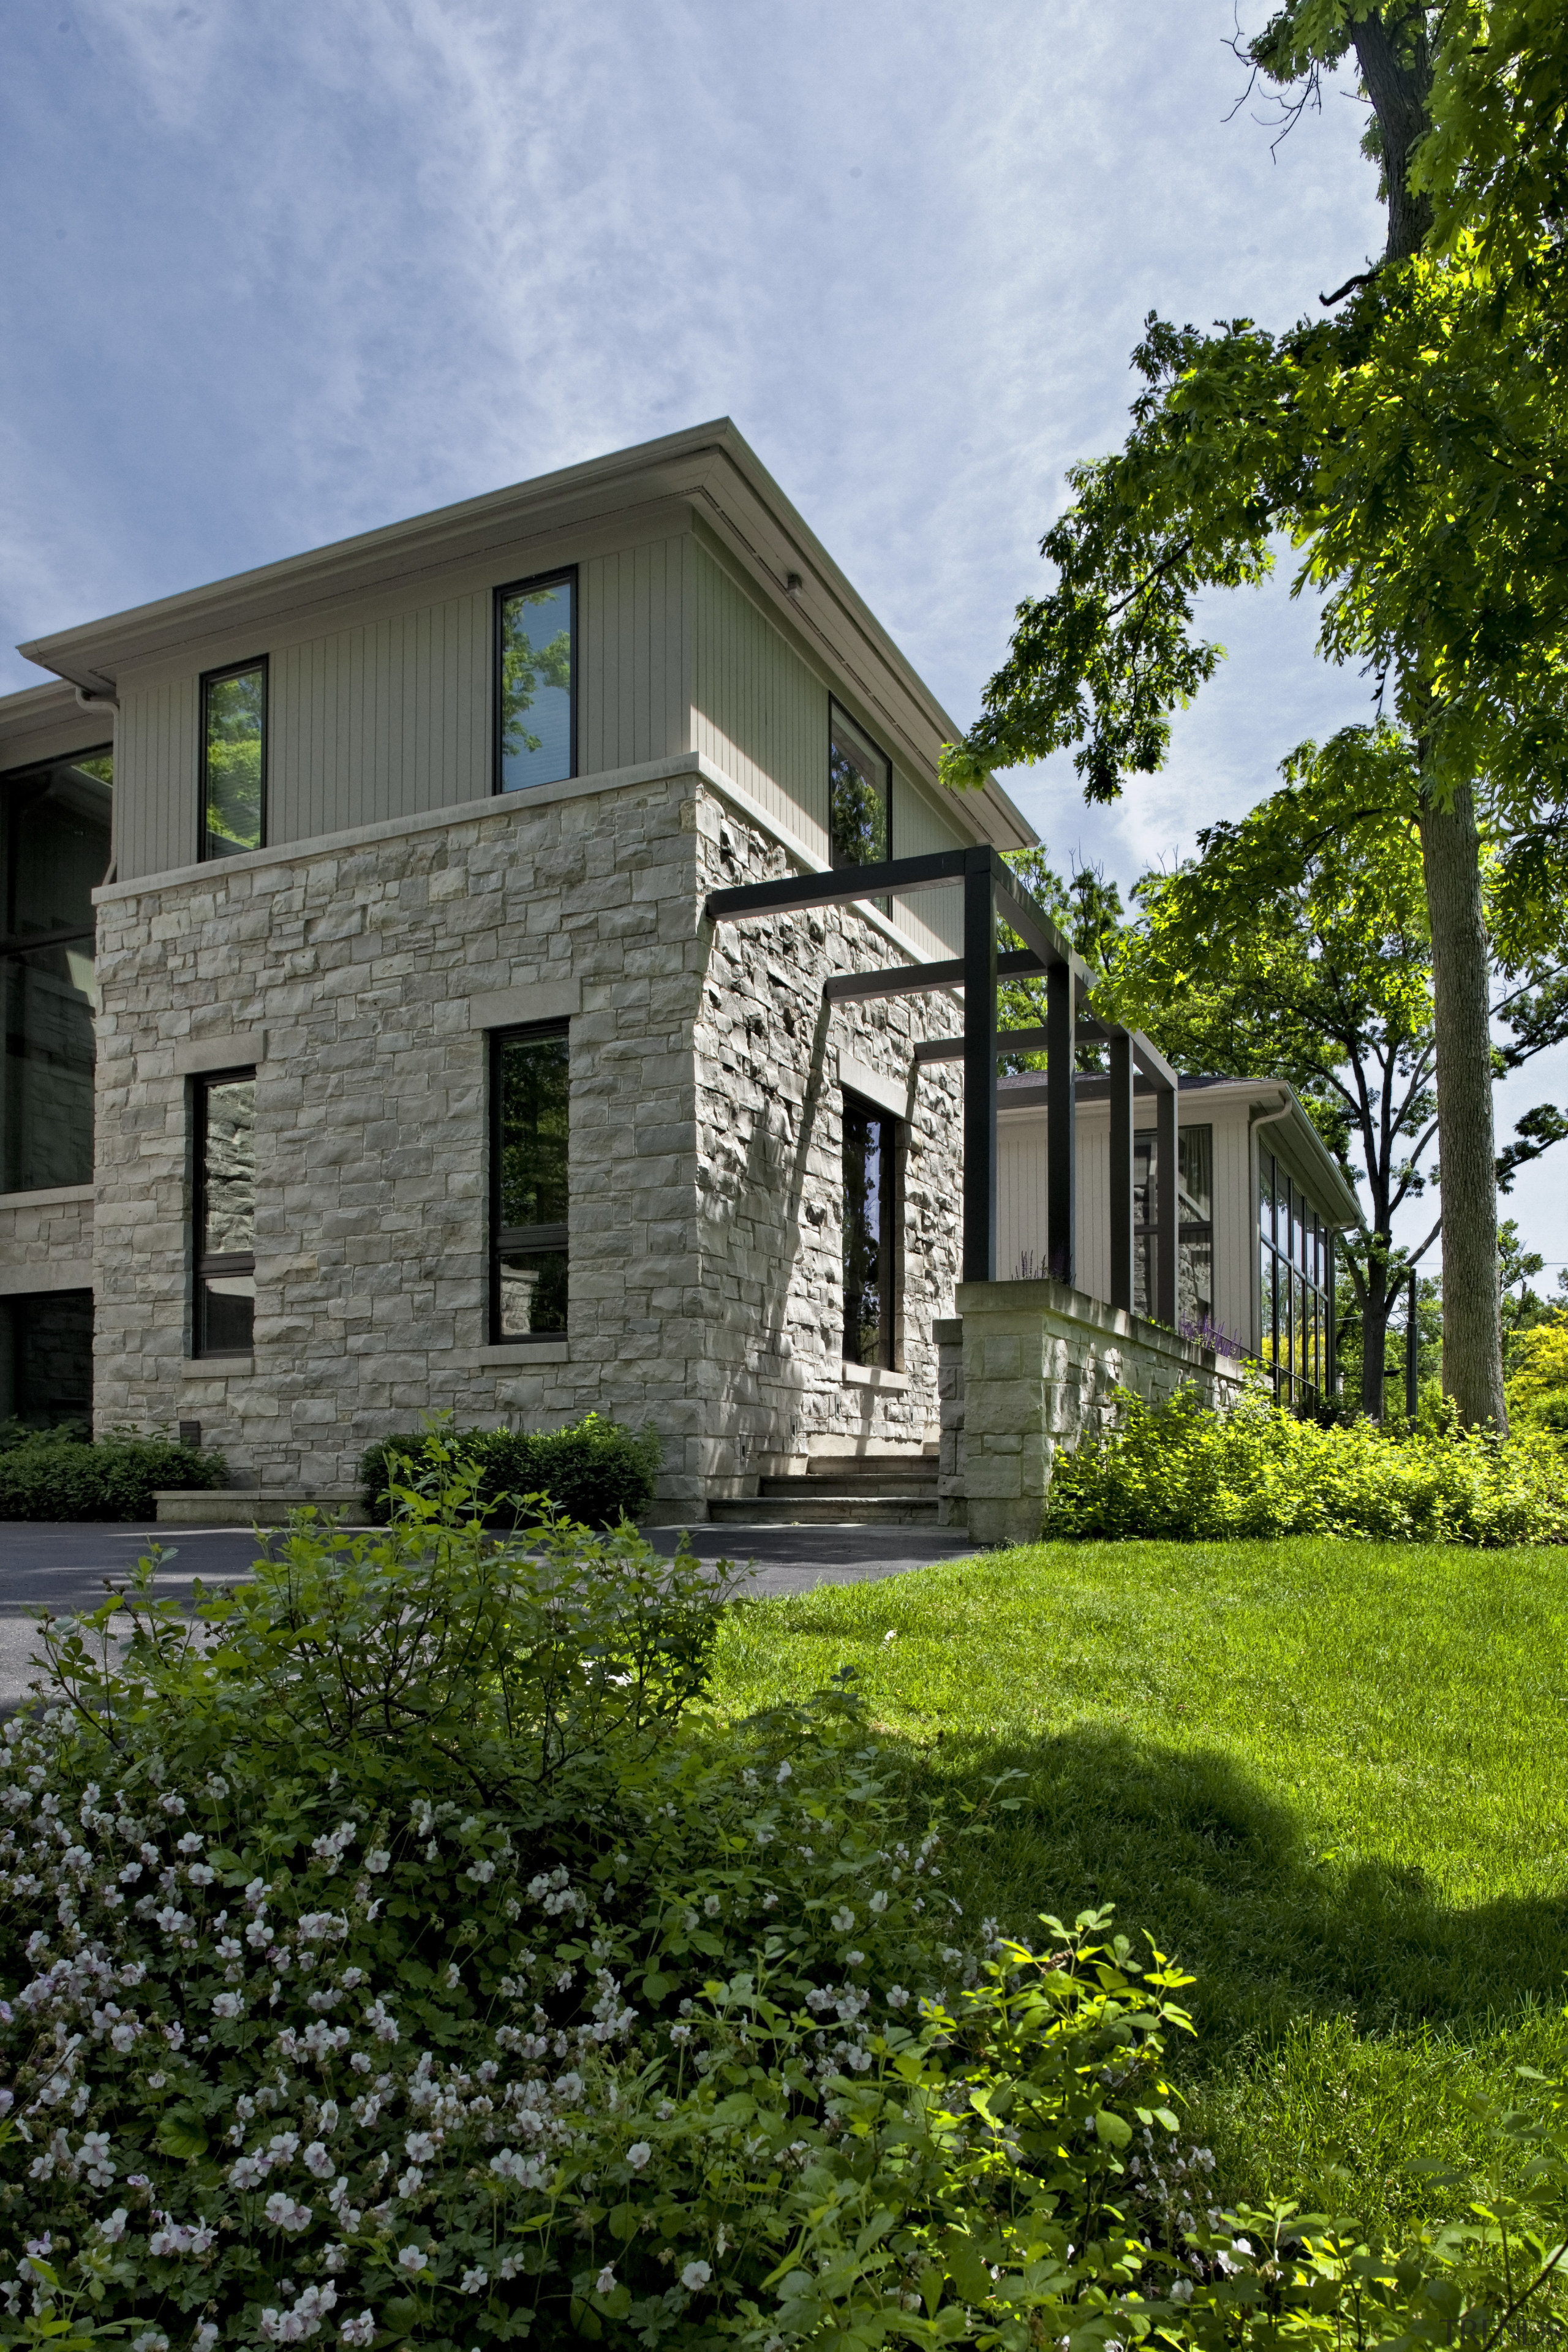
<point>708,469</point>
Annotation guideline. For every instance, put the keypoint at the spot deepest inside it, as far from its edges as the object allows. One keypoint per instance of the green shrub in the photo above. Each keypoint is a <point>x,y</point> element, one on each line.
<point>1537,1389</point>
<point>48,1477</point>
<point>596,1471</point>
<point>404,1953</point>
<point>1179,1470</point>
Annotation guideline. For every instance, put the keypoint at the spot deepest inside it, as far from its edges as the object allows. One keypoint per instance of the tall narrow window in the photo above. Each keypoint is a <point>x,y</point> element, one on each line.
<point>530,1097</point>
<point>226,1214</point>
<point>870,1229</point>
<point>234,760</point>
<point>1194,1208</point>
<point>1296,1274</point>
<point>54,851</point>
<point>859,794</point>
<point>46,1359</point>
<point>536,683</point>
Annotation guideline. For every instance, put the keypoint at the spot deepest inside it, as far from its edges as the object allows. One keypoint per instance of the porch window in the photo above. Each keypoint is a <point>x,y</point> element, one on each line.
<point>1295,1284</point>
<point>46,1358</point>
<point>226,1214</point>
<point>1195,1275</point>
<point>54,852</point>
<point>536,682</point>
<point>234,760</point>
<point>871,1230</point>
<point>530,1102</point>
<point>859,794</point>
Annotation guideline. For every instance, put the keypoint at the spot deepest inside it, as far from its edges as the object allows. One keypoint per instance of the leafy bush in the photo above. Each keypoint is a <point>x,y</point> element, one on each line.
<point>401,1952</point>
<point>51,1476</point>
<point>27,1432</point>
<point>596,1471</point>
<point>1180,1470</point>
<point>1537,1390</point>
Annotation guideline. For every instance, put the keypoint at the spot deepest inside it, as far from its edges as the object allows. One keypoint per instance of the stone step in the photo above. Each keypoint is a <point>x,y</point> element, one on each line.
<point>856,1469</point>
<point>805,1504</point>
<point>912,1484</point>
<point>248,1507</point>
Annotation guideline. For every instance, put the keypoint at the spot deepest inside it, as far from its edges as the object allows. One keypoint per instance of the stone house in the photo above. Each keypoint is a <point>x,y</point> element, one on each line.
<point>368,1050</point>
<point>372,1044</point>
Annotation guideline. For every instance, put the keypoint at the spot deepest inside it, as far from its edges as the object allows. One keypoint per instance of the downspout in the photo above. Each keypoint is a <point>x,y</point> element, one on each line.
<point>90,701</point>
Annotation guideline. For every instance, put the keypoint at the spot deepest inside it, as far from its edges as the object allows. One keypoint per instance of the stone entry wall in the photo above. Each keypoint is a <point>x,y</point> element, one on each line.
<point>360,976</point>
<point>1026,1367</point>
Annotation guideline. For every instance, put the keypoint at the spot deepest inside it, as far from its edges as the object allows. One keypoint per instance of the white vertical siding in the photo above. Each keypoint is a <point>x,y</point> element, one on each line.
<point>761,715</point>
<point>156,816</point>
<point>1022,1191</point>
<point>933,921</point>
<point>633,701</point>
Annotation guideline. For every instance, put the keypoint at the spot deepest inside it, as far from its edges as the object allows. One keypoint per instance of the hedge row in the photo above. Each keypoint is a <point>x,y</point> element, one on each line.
<point>48,1477</point>
<point>596,1471</point>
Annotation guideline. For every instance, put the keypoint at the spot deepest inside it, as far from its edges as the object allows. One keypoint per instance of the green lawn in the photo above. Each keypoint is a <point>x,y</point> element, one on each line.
<point>1326,1776</point>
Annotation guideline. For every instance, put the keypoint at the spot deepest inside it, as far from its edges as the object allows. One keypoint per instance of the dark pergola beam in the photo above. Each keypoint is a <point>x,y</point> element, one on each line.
<point>1121,1086</point>
<point>1008,1041</point>
<point>914,979</point>
<point>1061,1149</point>
<point>842,885</point>
<point>980,1070</point>
<point>1035,927</point>
<point>1167,1209</point>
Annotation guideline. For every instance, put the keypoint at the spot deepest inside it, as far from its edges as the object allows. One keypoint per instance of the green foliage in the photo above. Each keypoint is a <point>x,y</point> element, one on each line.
<point>1179,1470</point>
<point>596,1471</point>
<point>484,1988</point>
<point>1538,1388</point>
<point>51,1475</point>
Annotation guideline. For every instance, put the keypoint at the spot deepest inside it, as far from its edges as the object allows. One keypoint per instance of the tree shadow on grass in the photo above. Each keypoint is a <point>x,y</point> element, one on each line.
<point>1194,1852</point>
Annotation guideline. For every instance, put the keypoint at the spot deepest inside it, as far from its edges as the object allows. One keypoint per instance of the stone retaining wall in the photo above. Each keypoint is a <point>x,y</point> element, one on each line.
<point>1026,1367</point>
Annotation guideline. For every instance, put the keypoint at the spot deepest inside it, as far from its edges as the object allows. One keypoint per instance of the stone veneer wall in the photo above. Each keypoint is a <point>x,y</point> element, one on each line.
<point>46,1239</point>
<point>705,1181</point>
<point>1028,1367</point>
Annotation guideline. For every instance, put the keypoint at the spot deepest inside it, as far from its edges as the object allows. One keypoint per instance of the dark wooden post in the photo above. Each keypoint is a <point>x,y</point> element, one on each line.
<point>1060,1173</point>
<point>1412,1353</point>
<point>979,1068</point>
<point>1121,1171</point>
<point>1167,1206</point>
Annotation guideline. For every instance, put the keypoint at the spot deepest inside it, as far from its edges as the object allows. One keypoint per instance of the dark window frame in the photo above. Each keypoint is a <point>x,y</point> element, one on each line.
<point>204,1267</point>
<point>17,946</point>
<point>1191,1229</point>
<point>516,588</point>
<point>842,709</point>
<point>205,854</point>
<point>1295,1258</point>
<point>505,1238</point>
<point>889,1252</point>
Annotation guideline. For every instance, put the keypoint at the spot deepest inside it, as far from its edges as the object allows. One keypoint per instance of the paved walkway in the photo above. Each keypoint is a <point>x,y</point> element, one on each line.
<point>65,1567</point>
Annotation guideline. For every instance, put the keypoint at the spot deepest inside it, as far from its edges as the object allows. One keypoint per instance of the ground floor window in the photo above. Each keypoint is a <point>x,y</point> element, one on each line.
<point>1296,1274</point>
<point>46,1359</point>
<point>224,1305</point>
<point>871,1231</point>
<point>1195,1277</point>
<point>530,1117</point>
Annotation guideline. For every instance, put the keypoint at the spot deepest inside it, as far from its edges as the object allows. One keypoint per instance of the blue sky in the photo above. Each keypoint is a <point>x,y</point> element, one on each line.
<point>277,273</point>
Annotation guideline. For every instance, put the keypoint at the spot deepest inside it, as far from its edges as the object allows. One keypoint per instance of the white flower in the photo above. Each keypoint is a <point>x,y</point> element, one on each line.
<point>413,2258</point>
<point>782,1775</point>
<point>606,2281</point>
<point>358,2331</point>
<point>638,2154</point>
<point>419,2148</point>
<point>206,2336</point>
<point>283,2213</point>
<point>377,1860</point>
<point>843,1921</point>
<point>228,2004</point>
<point>695,2277</point>
<point>113,2229</point>
<point>411,2182</point>
<point>473,2282</point>
<point>710,1905</point>
<point>896,1997</point>
<point>854,1959</point>
<point>878,1904</point>
<point>318,2161</point>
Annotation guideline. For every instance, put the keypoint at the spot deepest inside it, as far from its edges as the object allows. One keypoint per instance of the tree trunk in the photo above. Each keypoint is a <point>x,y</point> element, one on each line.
<point>1374,1338</point>
<point>1472,1329</point>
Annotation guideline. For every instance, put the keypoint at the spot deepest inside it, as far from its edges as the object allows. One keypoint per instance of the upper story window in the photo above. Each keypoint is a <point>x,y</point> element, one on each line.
<point>859,794</point>
<point>234,760</point>
<point>531,1086</point>
<point>536,682</point>
<point>55,833</point>
<point>225,1214</point>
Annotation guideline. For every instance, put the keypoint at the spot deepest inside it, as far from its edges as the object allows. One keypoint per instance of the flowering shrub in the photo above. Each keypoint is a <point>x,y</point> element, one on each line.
<point>1179,1470</point>
<point>400,1953</point>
